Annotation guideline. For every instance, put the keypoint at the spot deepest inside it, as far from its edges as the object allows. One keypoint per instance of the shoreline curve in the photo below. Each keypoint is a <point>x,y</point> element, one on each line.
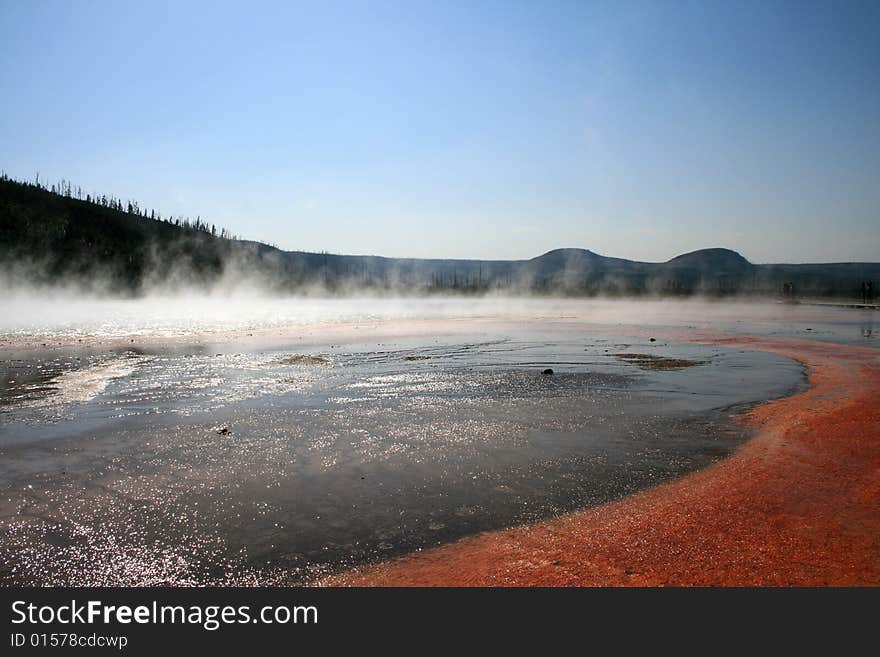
<point>796,505</point>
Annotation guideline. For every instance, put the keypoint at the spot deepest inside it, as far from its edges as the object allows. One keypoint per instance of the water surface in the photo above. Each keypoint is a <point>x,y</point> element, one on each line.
<point>276,463</point>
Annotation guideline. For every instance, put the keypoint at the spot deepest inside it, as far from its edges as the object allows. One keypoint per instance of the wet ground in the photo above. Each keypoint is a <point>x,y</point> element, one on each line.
<point>53,321</point>
<point>797,505</point>
<point>182,464</point>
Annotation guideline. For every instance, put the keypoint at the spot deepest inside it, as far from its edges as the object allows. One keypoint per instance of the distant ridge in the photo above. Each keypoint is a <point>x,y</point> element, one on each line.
<point>715,257</point>
<point>49,238</point>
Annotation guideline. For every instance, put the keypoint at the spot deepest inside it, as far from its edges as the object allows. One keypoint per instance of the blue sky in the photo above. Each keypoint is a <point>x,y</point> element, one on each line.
<point>464,129</point>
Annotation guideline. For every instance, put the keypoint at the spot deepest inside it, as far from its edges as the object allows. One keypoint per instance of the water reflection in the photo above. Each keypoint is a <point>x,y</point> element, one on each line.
<point>339,453</point>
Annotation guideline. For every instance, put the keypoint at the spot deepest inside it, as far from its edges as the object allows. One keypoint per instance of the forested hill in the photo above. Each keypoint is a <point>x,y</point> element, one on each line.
<point>56,235</point>
<point>53,237</point>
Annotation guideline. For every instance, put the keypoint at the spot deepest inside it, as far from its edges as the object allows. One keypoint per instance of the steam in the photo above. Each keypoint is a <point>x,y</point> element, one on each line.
<point>29,315</point>
<point>259,288</point>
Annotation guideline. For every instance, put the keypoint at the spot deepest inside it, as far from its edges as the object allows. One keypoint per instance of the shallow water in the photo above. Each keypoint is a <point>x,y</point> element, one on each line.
<point>174,317</point>
<point>218,464</point>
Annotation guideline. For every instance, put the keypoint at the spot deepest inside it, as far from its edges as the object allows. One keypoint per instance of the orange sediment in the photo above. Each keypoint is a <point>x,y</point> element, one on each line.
<point>798,504</point>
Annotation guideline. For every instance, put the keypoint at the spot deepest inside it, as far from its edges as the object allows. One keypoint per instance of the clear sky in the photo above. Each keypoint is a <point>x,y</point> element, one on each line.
<point>464,129</point>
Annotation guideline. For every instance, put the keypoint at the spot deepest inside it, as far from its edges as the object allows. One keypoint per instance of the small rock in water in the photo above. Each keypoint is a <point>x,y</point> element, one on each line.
<point>224,431</point>
<point>653,339</point>
<point>548,371</point>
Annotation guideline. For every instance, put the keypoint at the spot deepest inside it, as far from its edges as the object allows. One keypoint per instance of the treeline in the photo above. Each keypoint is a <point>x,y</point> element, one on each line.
<point>55,234</point>
<point>67,189</point>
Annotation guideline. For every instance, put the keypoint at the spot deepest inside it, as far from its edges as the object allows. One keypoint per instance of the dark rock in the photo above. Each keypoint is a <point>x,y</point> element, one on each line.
<point>548,371</point>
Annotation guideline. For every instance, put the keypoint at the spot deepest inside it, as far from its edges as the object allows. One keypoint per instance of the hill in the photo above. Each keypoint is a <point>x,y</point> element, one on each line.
<point>55,236</point>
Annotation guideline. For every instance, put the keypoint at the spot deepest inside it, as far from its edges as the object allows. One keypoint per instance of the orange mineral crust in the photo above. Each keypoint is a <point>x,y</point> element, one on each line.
<point>799,504</point>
